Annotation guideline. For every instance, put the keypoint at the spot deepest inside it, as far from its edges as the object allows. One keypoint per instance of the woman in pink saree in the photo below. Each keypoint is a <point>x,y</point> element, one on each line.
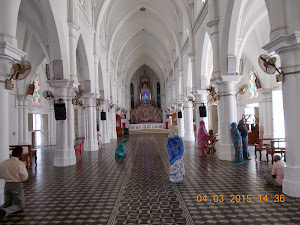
<point>202,138</point>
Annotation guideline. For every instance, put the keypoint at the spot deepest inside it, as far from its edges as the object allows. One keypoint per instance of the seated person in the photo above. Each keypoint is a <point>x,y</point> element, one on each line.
<point>14,172</point>
<point>120,151</point>
<point>277,172</point>
<point>212,139</point>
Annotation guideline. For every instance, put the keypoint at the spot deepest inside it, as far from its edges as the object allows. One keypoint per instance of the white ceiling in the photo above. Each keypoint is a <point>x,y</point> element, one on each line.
<point>151,36</point>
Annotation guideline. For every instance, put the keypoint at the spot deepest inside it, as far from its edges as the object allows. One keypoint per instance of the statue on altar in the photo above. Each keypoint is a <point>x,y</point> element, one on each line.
<point>145,92</point>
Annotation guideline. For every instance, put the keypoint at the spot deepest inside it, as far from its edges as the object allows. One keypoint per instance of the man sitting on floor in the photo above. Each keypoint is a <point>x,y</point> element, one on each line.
<point>13,171</point>
<point>277,172</point>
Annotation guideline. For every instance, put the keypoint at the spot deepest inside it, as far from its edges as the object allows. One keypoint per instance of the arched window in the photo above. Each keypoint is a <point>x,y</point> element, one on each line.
<point>252,85</point>
<point>158,95</point>
<point>132,95</point>
<point>36,92</point>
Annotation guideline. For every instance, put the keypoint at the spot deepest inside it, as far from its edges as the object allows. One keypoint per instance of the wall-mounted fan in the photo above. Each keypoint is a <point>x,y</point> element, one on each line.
<point>211,91</point>
<point>212,99</point>
<point>110,106</point>
<point>268,65</point>
<point>48,95</point>
<point>75,100</point>
<point>20,70</point>
<point>242,89</point>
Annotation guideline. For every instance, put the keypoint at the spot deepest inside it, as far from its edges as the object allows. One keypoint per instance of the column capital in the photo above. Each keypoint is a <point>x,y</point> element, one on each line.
<point>73,28</point>
<point>200,96</point>
<point>58,83</point>
<point>226,79</point>
<point>283,42</point>
<point>10,53</point>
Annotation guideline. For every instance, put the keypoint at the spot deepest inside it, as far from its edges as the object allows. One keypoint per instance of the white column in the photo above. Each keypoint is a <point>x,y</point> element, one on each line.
<point>61,157</point>
<point>112,123</point>
<point>90,143</point>
<point>289,50</point>
<point>201,100</point>
<point>95,122</point>
<point>266,115</point>
<point>52,127</point>
<point>71,128</point>
<point>103,124</point>
<point>188,121</point>
<point>4,134</point>
<point>27,101</point>
<point>8,25</point>
<point>73,28</point>
<point>20,120</point>
<point>180,121</point>
<point>8,21</point>
<point>226,114</point>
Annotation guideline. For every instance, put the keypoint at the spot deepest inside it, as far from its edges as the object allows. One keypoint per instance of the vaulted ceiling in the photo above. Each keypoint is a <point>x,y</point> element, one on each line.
<point>141,32</point>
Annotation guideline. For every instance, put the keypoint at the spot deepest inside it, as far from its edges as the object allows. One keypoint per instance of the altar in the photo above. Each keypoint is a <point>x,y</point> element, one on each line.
<point>146,114</point>
<point>145,109</point>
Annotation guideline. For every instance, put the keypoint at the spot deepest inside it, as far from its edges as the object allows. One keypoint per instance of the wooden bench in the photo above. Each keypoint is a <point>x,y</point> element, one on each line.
<point>262,147</point>
<point>277,146</point>
<point>271,146</point>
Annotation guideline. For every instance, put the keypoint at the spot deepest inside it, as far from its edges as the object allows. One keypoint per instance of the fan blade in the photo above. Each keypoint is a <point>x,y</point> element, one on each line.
<point>263,59</point>
<point>272,61</point>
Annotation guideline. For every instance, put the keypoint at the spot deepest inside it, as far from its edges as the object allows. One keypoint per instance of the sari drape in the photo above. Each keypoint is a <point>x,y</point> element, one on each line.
<point>175,151</point>
<point>120,151</point>
<point>244,132</point>
<point>202,138</point>
<point>237,143</point>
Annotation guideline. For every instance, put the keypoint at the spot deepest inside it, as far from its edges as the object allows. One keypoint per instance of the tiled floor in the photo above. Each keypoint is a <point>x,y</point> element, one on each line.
<point>136,190</point>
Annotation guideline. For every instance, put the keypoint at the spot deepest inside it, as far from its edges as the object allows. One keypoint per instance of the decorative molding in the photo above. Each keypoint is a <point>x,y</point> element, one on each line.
<point>85,20</point>
<point>283,42</point>
<point>185,46</point>
<point>176,62</point>
<point>201,17</point>
<point>10,53</point>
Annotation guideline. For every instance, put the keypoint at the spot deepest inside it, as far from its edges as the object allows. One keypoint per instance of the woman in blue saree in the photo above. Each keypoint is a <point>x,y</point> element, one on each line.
<point>237,143</point>
<point>244,132</point>
<point>175,151</point>
<point>120,151</point>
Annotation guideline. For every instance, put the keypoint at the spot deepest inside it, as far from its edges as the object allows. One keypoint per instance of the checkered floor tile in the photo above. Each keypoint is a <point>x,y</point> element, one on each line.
<point>135,190</point>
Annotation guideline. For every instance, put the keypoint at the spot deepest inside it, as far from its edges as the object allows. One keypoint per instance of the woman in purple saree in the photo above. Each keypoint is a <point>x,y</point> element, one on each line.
<point>202,138</point>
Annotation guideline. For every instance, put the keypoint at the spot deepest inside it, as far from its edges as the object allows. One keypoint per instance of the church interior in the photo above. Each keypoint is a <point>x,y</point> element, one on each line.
<point>79,76</point>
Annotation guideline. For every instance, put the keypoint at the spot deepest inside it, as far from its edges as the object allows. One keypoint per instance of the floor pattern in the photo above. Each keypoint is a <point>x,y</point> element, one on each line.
<point>135,190</point>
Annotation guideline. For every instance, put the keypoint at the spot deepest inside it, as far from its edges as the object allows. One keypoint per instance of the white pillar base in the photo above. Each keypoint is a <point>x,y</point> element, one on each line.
<point>291,182</point>
<point>61,158</point>
<point>180,123</point>
<point>2,182</point>
<point>189,136</point>
<point>72,157</point>
<point>114,135</point>
<point>90,145</point>
<point>225,152</point>
<point>105,140</point>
